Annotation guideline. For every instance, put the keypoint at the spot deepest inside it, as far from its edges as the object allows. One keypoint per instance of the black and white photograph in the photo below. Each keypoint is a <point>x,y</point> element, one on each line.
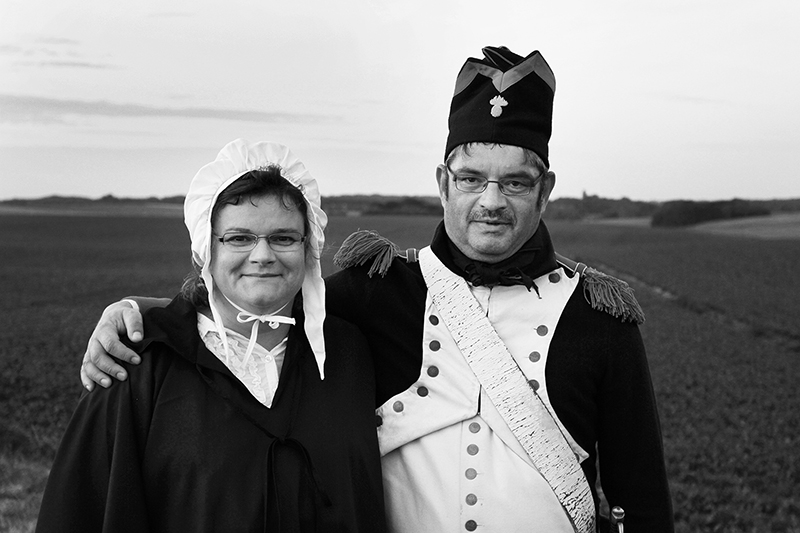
<point>399,267</point>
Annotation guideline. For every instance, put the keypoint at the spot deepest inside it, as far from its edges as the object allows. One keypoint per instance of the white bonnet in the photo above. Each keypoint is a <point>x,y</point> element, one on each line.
<point>233,161</point>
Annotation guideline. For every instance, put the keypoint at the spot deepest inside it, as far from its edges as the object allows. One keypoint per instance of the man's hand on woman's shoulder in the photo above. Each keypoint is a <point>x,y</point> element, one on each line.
<point>118,319</point>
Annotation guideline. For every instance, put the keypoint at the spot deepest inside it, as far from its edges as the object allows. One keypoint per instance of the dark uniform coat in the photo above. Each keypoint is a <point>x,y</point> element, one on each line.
<point>597,374</point>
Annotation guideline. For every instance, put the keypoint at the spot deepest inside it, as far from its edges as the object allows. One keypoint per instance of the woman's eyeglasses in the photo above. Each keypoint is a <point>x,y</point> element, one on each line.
<point>278,242</point>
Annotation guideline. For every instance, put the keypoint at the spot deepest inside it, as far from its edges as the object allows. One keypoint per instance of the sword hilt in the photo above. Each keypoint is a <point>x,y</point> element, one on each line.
<point>617,519</point>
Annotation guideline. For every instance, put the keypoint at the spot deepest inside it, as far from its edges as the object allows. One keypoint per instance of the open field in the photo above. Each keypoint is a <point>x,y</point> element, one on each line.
<point>776,226</point>
<point>722,334</point>
<point>97,209</point>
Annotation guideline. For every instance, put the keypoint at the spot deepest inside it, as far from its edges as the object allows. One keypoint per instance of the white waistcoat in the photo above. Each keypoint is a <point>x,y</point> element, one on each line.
<point>450,462</point>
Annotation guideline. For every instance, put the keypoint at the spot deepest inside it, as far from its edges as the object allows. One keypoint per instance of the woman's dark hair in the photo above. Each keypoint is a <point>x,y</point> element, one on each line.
<point>263,183</point>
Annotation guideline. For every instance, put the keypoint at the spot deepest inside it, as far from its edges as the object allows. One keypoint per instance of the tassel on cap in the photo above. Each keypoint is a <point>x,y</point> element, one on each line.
<point>364,245</point>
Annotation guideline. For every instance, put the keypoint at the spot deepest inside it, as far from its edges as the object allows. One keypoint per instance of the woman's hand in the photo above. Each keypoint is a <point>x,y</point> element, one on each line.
<point>118,319</point>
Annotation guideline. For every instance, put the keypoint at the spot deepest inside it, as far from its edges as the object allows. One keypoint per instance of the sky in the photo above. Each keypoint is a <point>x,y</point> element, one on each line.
<point>655,101</point>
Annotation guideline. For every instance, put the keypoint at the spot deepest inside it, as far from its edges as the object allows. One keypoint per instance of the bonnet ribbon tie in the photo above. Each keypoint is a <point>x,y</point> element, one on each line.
<point>272,320</point>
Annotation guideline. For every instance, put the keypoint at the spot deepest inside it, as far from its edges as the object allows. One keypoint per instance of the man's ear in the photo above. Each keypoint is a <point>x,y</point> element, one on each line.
<point>442,180</point>
<point>548,184</point>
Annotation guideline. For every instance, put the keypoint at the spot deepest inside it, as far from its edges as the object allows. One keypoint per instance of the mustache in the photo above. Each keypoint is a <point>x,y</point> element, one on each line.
<point>486,215</point>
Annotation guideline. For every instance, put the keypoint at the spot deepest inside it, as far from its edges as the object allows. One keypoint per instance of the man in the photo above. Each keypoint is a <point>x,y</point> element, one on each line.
<point>503,377</point>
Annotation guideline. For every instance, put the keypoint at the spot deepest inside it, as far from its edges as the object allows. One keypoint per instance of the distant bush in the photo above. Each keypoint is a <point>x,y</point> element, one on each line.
<point>688,213</point>
<point>48,200</point>
<point>590,206</point>
<point>173,199</point>
<point>381,205</point>
<point>405,206</point>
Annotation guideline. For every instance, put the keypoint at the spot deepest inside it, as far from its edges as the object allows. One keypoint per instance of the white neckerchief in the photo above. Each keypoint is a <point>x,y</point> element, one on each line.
<point>246,316</point>
<point>261,374</point>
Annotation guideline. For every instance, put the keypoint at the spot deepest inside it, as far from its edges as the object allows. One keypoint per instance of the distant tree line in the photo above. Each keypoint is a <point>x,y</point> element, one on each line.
<point>661,214</point>
<point>80,200</point>
<point>688,213</point>
<point>590,207</point>
<point>382,205</point>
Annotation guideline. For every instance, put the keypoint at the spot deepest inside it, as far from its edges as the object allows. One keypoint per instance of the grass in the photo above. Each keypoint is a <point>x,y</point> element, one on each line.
<point>725,398</point>
<point>724,355</point>
<point>724,352</point>
<point>22,482</point>
<point>744,278</point>
<point>776,226</point>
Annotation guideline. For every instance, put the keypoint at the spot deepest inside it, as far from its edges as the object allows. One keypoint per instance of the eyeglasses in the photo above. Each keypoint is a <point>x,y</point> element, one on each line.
<point>289,241</point>
<point>507,186</point>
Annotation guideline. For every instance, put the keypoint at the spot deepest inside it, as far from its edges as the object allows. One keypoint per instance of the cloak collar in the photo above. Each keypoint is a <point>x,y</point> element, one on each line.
<point>176,326</point>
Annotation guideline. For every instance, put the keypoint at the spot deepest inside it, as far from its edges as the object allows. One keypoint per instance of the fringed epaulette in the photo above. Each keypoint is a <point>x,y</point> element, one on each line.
<point>606,293</point>
<point>364,245</point>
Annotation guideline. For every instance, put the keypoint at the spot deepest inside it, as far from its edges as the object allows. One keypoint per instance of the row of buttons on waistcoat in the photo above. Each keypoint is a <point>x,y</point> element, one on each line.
<point>542,330</point>
<point>474,427</point>
<point>432,371</point>
<point>471,473</point>
<point>435,346</point>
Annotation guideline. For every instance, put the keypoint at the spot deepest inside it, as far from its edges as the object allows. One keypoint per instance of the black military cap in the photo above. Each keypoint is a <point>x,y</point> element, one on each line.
<point>504,99</point>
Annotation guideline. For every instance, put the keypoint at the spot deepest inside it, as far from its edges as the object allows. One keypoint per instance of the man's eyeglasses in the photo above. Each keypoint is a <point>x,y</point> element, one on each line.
<point>279,242</point>
<point>508,186</point>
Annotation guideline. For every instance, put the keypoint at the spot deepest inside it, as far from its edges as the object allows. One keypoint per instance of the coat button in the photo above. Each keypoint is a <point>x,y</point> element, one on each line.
<point>471,473</point>
<point>534,385</point>
<point>378,421</point>
<point>474,427</point>
<point>398,406</point>
<point>422,391</point>
<point>434,320</point>
<point>471,499</point>
<point>534,356</point>
<point>471,525</point>
<point>542,330</point>
<point>435,345</point>
<point>554,277</point>
<point>472,449</point>
<point>433,371</point>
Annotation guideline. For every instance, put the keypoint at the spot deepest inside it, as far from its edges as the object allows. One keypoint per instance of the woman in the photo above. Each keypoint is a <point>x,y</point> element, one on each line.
<point>234,421</point>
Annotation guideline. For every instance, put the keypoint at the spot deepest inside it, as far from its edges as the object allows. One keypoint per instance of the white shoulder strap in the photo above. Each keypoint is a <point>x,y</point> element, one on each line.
<point>521,408</point>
